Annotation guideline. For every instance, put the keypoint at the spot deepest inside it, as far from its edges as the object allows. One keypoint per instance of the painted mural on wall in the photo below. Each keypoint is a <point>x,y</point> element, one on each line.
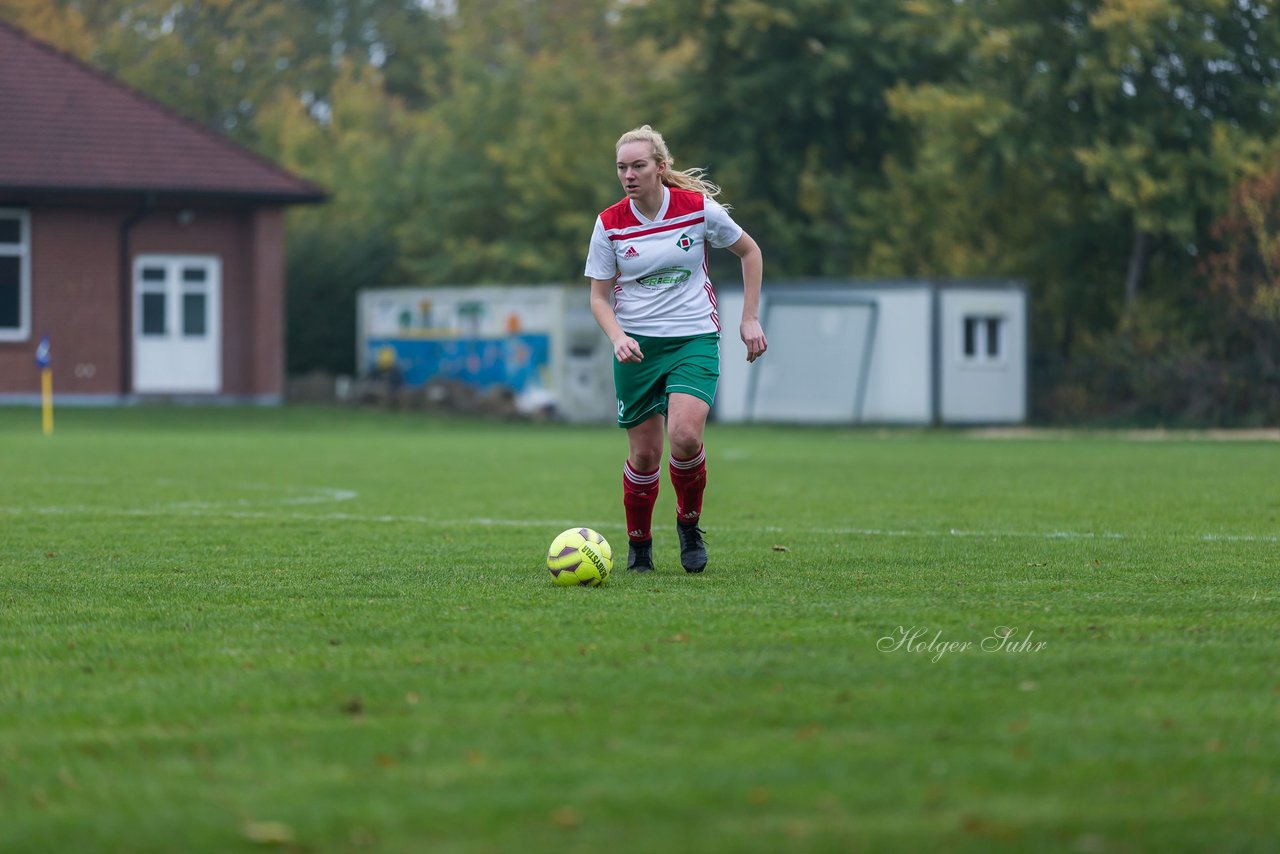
<point>516,361</point>
<point>479,339</point>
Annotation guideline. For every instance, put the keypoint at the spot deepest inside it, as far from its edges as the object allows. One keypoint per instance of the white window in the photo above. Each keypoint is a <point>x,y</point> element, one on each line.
<point>983,338</point>
<point>15,275</point>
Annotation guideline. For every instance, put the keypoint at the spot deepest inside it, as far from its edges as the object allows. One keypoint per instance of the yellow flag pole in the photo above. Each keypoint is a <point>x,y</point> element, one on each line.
<point>46,388</point>
<point>44,362</point>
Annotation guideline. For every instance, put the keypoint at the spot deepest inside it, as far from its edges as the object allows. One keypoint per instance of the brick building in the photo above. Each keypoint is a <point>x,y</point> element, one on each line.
<point>148,249</point>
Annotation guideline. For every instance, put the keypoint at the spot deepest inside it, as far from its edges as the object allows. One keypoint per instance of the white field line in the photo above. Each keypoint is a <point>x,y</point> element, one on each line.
<point>272,492</point>
<point>235,510</point>
<point>1264,434</point>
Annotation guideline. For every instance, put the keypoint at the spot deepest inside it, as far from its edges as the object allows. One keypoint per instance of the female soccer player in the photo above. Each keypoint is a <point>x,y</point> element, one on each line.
<point>652,297</point>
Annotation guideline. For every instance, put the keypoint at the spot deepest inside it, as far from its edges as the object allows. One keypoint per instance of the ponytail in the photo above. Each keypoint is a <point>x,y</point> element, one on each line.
<point>693,178</point>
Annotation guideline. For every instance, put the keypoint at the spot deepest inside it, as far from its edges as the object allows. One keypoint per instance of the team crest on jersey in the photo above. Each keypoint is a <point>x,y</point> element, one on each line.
<point>684,242</point>
<point>631,253</point>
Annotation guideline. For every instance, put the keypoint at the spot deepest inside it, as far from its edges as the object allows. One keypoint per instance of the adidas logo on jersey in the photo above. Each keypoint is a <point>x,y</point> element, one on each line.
<point>631,253</point>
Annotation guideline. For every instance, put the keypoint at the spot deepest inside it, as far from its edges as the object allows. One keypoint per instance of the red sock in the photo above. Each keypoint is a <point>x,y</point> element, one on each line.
<point>689,477</point>
<point>639,494</point>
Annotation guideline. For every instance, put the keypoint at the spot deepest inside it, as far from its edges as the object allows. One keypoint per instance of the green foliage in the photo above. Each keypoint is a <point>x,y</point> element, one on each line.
<point>55,22</point>
<point>785,104</point>
<point>1244,291</point>
<point>1245,272</point>
<point>494,175</point>
<point>1109,110</point>
<point>327,268</point>
<point>517,151</point>
<point>1151,371</point>
<point>1084,146</point>
<point>1216,363</point>
<point>335,250</point>
<point>219,61</point>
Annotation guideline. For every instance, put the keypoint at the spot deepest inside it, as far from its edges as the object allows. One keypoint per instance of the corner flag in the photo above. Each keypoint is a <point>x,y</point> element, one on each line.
<point>46,384</point>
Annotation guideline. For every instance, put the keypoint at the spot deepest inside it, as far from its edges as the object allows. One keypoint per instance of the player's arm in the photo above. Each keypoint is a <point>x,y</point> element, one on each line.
<point>752,273</point>
<point>625,348</point>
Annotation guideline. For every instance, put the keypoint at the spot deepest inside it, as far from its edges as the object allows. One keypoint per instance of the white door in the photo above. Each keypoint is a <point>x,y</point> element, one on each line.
<point>177,324</point>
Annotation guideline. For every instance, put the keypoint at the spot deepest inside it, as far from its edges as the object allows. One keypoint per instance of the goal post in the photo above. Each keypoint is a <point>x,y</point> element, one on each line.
<point>825,380</point>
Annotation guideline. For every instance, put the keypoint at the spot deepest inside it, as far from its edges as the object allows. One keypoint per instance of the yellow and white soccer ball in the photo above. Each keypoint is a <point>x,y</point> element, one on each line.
<point>580,557</point>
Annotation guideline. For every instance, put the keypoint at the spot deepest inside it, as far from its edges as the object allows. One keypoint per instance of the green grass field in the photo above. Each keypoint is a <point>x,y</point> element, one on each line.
<point>317,630</point>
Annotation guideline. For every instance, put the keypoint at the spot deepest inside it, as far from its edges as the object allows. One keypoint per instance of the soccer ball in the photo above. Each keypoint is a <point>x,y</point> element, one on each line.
<point>580,556</point>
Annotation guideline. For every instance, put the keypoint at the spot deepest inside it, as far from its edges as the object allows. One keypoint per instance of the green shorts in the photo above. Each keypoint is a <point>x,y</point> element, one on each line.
<point>688,365</point>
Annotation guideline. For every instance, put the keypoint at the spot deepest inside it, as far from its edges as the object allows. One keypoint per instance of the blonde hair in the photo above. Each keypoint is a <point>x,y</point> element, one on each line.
<point>693,178</point>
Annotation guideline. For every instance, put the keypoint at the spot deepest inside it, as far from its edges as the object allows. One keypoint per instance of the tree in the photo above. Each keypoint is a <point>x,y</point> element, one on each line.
<point>55,22</point>
<point>512,161</point>
<point>1243,275</point>
<point>1117,105</point>
<point>336,249</point>
<point>218,61</point>
<point>785,103</point>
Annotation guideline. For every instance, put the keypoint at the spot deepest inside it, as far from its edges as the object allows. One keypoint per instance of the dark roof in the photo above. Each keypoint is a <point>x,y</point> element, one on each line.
<point>69,127</point>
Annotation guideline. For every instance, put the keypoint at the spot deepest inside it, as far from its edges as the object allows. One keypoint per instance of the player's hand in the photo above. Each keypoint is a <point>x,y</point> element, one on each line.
<point>753,337</point>
<point>625,349</point>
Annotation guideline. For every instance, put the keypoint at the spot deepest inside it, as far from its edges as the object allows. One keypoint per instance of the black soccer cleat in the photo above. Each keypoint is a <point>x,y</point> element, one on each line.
<point>693,552</point>
<point>640,556</point>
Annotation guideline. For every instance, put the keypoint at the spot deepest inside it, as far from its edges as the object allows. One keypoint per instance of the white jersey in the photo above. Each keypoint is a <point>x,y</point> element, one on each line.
<point>659,266</point>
